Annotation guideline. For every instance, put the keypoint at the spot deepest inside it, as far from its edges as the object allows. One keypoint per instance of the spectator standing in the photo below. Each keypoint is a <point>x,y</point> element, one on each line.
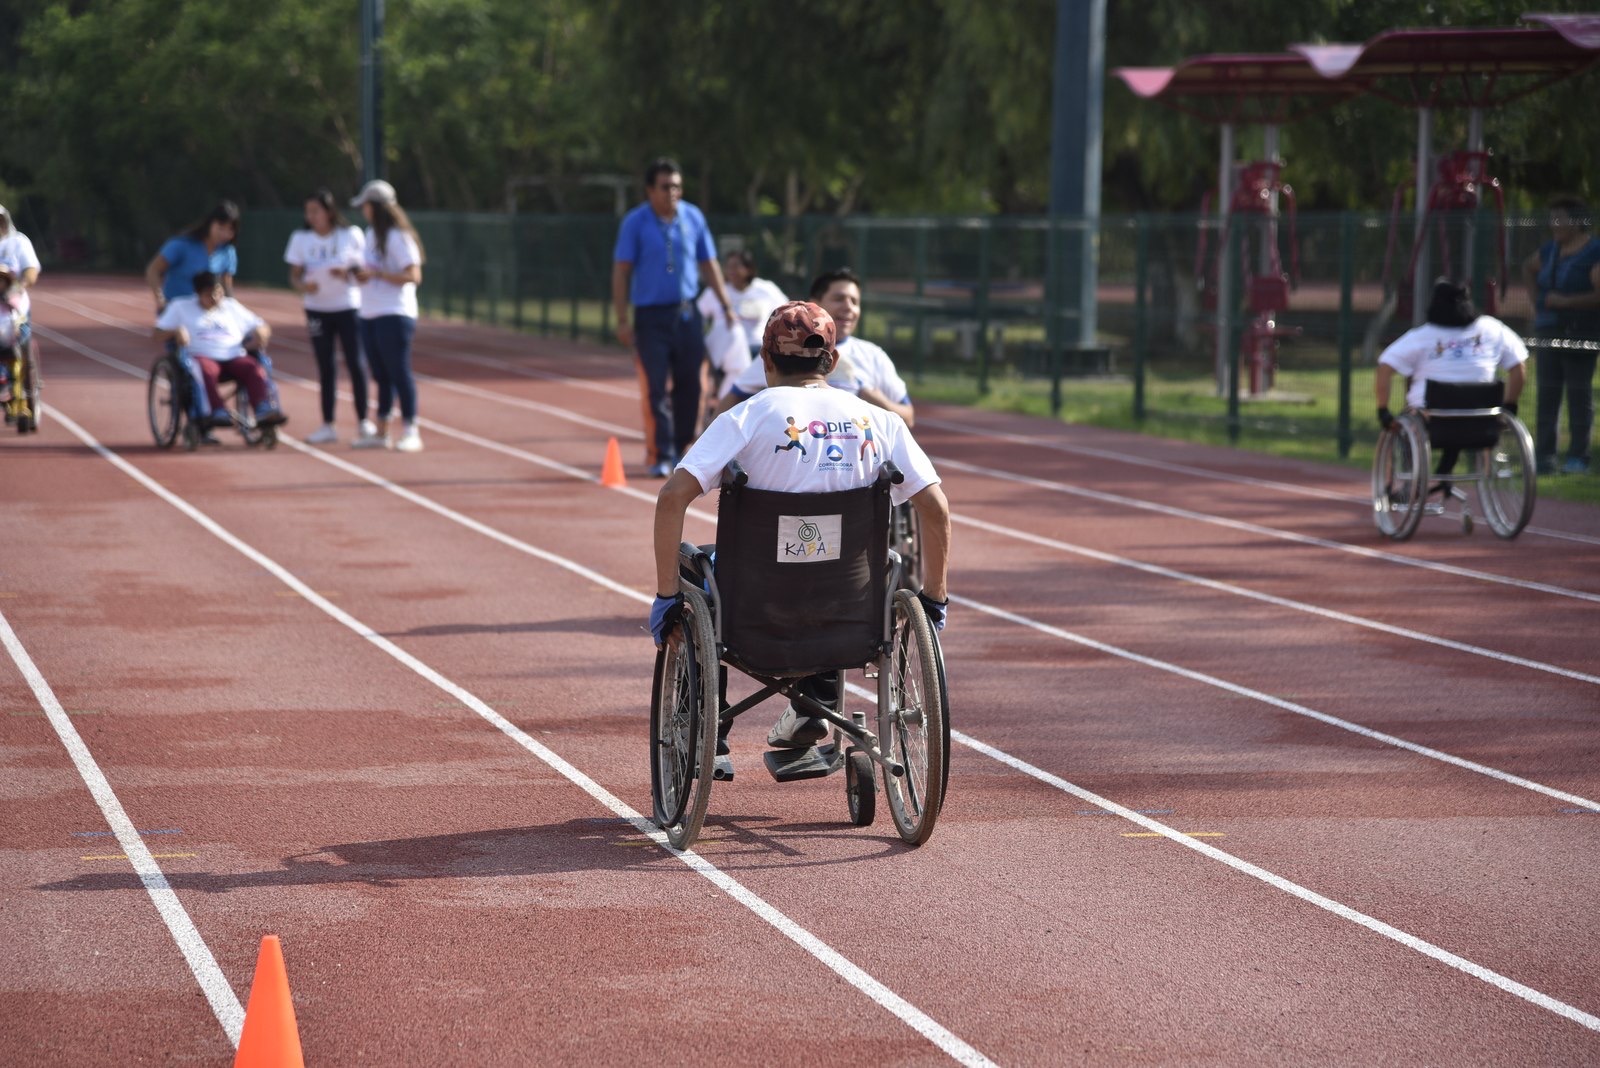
<point>207,246</point>
<point>1564,281</point>
<point>663,253</point>
<point>390,271</point>
<point>730,348</point>
<point>323,259</point>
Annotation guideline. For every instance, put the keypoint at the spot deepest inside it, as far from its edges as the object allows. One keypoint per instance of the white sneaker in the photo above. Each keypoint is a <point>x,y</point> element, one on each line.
<point>794,731</point>
<point>323,435</point>
<point>371,437</point>
<point>410,440</point>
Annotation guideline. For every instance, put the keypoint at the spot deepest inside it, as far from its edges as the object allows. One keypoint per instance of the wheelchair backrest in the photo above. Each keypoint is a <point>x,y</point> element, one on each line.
<point>1446,430</point>
<point>802,578</point>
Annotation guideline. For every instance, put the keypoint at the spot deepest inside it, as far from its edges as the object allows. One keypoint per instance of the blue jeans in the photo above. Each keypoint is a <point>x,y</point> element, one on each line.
<point>1569,374</point>
<point>671,346</point>
<point>326,328</point>
<point>387,341</point>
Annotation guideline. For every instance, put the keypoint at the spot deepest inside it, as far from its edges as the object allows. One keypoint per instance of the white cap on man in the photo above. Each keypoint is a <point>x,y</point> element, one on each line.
<point>376,191</point>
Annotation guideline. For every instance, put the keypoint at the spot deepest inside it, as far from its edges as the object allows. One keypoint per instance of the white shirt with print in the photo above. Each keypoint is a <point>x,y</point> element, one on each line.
<point>378,297</point>
<point>1454,354</point>
<point>319,255</point>
<point>217,333</point>
<point>809,439</point>
<point>861,364</point>
<point>16,256</point>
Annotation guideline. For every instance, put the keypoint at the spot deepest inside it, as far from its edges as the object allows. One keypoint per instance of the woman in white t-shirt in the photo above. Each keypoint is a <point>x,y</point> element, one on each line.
<point>390,271</point>
<point>322,261</point>
<point>1456,344</point>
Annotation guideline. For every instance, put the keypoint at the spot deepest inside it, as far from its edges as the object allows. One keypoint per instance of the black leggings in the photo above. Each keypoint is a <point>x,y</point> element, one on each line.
<point>325,328</point>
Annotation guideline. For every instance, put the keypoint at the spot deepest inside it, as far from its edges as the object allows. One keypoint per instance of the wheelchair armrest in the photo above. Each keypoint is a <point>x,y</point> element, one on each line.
<point>889,471</point>
<point>694,560</point>
<point>734,475</point>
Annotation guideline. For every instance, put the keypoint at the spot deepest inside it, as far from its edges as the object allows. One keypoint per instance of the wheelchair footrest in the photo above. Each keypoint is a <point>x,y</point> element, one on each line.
<point>817,762</point>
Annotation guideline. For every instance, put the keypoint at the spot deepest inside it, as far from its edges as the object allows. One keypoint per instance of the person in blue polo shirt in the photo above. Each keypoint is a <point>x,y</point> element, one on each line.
<point>207,246</point>
<point>664,251</point>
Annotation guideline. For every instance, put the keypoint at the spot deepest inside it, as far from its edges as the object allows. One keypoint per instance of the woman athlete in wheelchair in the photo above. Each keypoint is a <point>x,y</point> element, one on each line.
<point>212,338</point>
<point>801,587</point>
<point>1455,405</point>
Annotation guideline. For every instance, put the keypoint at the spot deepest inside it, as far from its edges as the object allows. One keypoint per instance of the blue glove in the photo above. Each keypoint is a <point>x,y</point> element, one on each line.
<point>664,613</point>
<point>935,609</point>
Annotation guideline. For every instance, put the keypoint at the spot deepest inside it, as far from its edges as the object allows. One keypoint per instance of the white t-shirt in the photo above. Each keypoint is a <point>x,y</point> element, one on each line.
<point>1454,354</point>
<point>809,439</point>
<point>732,349</point>
<point>218,333</point>
<point>16,256</point>
<point>320,255</point>
<point>861,364</point>
<point>378,297</point>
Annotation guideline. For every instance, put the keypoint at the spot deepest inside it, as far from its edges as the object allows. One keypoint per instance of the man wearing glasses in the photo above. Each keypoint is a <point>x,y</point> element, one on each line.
<point>664,250</point>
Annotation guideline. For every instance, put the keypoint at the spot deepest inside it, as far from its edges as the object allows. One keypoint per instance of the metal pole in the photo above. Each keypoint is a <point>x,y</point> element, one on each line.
<point>1075,147</point>
<point>1269,238</point>
<point>1225,263</point>
<point>1141,311</point>
<point>371,89</point>
<point>1347,256</point>
<point>1231,264</point>
<point>1469,247</point>
<point>1421,283</point>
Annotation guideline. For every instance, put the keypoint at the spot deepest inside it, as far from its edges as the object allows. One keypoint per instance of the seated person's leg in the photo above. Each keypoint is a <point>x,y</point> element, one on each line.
<point>796,730</point>
<point>252,378</point>
<point>214,411</point>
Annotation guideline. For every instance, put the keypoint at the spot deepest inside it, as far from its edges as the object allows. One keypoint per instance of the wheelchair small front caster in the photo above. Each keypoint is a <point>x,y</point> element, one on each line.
<point>860,788</point>
<point>1466,523</point>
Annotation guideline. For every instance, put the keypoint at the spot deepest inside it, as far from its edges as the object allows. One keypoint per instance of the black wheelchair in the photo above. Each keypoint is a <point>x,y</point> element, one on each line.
<point>19,373</point>
<point>172,403</point>
<point>1466,419</point>
<point>802,584</point>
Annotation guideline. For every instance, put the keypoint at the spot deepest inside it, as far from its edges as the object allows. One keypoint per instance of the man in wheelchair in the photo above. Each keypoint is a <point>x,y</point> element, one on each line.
<point>1455,345</point>
<point>221,340</point>
<point>798,352</point>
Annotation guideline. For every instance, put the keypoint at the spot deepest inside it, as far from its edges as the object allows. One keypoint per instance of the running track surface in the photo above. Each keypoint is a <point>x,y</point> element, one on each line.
<point>1237,781</point>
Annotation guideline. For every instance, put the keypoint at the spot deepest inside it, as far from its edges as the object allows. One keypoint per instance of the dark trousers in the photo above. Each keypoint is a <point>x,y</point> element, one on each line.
<point>325,329</point>
<point>670,346</point>
<point>241,369</point>
<point>1570,373</point>
<point>387,341</point>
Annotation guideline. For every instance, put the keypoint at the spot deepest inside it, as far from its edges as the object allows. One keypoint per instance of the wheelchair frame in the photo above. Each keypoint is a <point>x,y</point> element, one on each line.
<point>170,403</point>
<point>1502,475</point>
<point>909,749</point>
<point>22,372</point>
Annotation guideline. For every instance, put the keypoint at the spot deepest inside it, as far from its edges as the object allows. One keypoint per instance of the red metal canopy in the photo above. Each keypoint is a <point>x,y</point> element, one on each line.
<point>1476,68</point>
<point>1247,87</point>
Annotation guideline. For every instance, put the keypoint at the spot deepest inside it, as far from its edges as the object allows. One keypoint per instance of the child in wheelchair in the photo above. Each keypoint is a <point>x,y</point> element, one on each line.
<point>1456,345</point>
<point>221,340</point>
<point>825,426</point>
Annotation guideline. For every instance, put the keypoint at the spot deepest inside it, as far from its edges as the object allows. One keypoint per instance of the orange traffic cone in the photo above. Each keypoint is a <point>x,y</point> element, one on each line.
<point>270,1038</point>
<point>611,475</point>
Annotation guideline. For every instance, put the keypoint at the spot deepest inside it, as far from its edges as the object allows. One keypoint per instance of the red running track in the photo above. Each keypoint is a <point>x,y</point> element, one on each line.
<point>1390,752</point>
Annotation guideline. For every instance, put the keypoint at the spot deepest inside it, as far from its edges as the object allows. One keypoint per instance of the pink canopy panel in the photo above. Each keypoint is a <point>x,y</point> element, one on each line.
<point>1241,88</point>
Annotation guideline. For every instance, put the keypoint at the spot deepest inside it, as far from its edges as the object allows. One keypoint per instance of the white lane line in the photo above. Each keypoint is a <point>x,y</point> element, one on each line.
<point>913,1017</point>
<point>1278,882</point>
<point>224,1002</point>
<point>1269,699</point>
<point>1419,945</point>
<point>1268,532</point>
<point>999,613</point>
<point>1195,472</point>
<point>1267,598</point>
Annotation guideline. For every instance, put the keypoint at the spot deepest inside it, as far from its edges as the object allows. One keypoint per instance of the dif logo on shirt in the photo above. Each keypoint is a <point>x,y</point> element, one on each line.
<point>808,539</point>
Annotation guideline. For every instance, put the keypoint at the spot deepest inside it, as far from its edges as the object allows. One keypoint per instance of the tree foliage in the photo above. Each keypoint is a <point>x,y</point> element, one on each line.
<point>128,117</point>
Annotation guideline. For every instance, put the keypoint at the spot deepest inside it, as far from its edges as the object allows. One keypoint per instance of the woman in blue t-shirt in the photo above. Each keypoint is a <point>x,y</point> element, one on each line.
<point>205,246</point>
<point>1564,281</point>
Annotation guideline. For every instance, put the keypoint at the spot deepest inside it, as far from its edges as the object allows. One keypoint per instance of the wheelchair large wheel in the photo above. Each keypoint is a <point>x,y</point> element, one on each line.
<point>165,401</point>
<point>683,723</point>
<point>1506,492</point>
<point>911,721</point>
<point>27,424</point>
<point>906,539</point>
<point>244,417</point>
<point>1400,478</point>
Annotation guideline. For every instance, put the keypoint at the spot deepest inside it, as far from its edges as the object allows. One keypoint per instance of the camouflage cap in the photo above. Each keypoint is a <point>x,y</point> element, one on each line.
<point>798,328</point>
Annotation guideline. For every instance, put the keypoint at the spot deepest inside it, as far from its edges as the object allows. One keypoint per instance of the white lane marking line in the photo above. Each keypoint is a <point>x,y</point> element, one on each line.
<point>909,1014</point>
<point>1197,472</point>
<point>534,372</point>
<point>996,435</point>
<point>1025,621</point>
<point>1344,912</point>
<point>224,1002</point>
<point>1269,532</point>
<point>1272,599</point>
<point>1269,699</point>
